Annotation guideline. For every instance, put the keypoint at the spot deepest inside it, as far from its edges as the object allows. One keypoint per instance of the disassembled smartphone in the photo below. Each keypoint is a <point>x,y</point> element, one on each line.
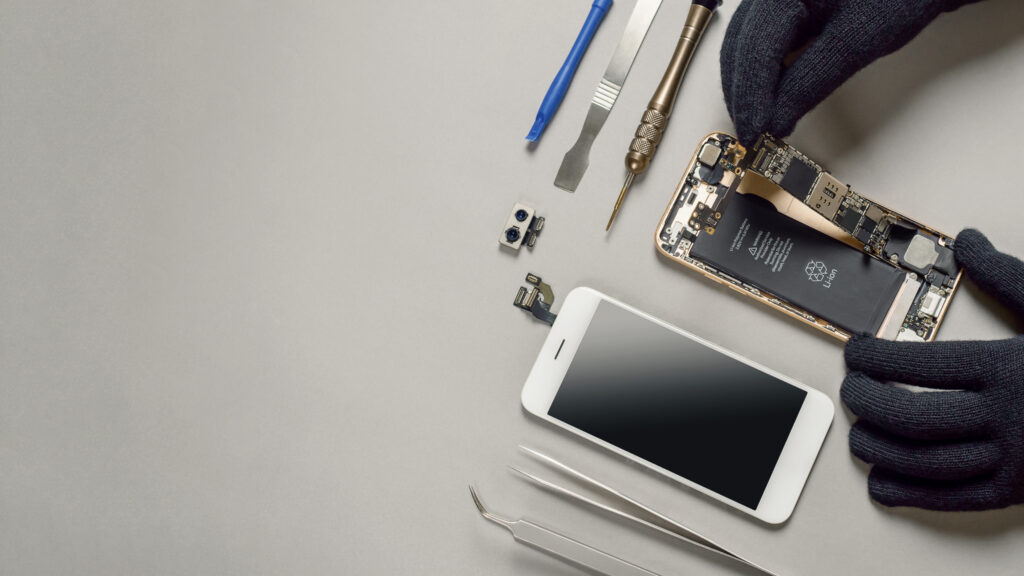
<point>676,404</point>
<point>772,224</point>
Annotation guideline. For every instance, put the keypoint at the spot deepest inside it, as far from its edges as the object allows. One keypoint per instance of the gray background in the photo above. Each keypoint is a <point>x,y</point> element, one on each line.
<point>253,317</point>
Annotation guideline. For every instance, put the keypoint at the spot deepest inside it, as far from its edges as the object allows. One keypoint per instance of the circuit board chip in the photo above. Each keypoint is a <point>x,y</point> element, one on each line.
<point>799,179</point>
<point>850,220</point>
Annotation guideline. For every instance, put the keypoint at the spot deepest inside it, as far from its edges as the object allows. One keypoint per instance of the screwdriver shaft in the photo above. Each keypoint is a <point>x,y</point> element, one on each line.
<point>625,188</point>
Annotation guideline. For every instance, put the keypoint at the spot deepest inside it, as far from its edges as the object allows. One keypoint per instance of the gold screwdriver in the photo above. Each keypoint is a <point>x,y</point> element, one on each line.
<point>655,118</point>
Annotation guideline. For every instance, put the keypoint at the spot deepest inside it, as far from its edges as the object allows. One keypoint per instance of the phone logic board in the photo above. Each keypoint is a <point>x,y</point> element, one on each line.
<point>771,223</point>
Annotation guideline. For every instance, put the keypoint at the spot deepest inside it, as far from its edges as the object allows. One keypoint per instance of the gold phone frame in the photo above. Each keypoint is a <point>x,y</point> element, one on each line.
<point>800,212</point>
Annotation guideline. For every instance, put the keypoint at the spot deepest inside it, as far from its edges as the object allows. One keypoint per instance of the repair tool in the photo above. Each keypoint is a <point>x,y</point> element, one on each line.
<point>654,520</point>
<point>560,546</point>
<point>553,98</point>
<point>655,118</point>
<point>576,160</point>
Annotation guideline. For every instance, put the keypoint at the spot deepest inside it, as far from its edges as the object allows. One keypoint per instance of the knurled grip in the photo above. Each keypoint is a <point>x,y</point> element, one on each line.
<point>645,142</point>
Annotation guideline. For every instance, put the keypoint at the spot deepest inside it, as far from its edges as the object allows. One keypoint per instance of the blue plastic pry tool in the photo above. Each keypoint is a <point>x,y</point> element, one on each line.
<point>561,82</point>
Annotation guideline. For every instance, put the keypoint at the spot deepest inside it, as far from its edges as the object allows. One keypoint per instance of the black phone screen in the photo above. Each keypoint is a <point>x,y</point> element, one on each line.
<point>678,404</point>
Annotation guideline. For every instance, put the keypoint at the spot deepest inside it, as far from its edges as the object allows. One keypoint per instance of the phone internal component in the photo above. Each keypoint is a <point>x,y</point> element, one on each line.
<point>921,252</point>
<point>709,154</point>
<point>765,249</point>
<point>523,227</point>
<point>902,309</point>
<point>810,183</point>
<point>917,251</point>
<point>827,195</point>
<point>771,223</point>
<point>537,301</point>
<point>930,304</point>
<point>799,178</point>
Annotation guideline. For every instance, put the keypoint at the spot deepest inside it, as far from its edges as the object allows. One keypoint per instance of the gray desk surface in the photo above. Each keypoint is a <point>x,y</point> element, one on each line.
<point>253,317</point>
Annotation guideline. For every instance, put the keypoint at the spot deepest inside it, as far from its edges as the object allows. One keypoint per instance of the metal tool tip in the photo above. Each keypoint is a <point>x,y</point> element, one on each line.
<point>487,513</point>
<point>520,472</point>
<point>532,478</point>
<point>574,165</point>
<point>565,185</point>
<point>476,500</point>
<point>618,203</point>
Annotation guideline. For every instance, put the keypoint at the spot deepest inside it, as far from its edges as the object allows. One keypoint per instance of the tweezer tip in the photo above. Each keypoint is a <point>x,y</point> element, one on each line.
<point>476,500</point>
<point>518,471</point>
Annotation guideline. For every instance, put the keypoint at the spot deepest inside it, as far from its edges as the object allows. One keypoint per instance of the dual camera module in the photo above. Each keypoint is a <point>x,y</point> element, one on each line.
<point>522,227</point>
<point>512,234</point>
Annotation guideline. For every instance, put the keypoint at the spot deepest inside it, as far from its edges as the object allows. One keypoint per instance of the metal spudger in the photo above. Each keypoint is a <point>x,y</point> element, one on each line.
<point>654,520</point>
<point>562,547</point>
<point>655,118</point>
<point>576,160</point>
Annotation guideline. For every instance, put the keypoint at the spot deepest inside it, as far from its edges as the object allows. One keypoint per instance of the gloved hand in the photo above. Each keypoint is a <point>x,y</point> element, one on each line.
<point>960,449</point>
<point>763,95</point>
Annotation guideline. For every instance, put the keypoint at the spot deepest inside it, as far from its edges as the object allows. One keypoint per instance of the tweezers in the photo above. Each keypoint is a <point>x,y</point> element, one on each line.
<point>561,546</point>
<point>654,520</point>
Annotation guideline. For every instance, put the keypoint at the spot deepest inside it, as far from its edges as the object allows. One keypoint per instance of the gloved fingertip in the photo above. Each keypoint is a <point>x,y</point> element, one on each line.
<point>844,387</point>
<point>860,347</point>
<point>783,126</point>
<point>747,130</point>
<point>998,274</point>
<point>860,442</point>
<point>757,40</point>
<point>971,245</point>
<point>884,491</point>
<point>856,394</point>
<point>747,136</point>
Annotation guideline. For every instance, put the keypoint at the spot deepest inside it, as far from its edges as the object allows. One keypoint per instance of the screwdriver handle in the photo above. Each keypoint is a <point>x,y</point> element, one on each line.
<point>655,118</point>
<point>645,141</point>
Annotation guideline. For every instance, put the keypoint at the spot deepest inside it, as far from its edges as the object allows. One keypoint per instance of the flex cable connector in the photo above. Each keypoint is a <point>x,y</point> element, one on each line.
<point>537,301</point>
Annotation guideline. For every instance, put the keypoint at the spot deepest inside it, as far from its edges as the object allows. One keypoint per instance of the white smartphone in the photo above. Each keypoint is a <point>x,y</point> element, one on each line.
<point>677,404</point>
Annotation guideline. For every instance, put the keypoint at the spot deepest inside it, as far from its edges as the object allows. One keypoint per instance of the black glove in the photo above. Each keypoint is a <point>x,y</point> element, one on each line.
<point>765,96</point>
<point>961,449</point>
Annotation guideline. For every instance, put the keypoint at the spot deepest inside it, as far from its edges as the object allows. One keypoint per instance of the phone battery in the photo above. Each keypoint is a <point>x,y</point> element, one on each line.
<point>772,252</point>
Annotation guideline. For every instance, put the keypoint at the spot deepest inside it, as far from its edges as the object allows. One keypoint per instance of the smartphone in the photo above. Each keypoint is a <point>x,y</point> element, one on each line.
<point>679,405</point>
<point>774,225</point>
